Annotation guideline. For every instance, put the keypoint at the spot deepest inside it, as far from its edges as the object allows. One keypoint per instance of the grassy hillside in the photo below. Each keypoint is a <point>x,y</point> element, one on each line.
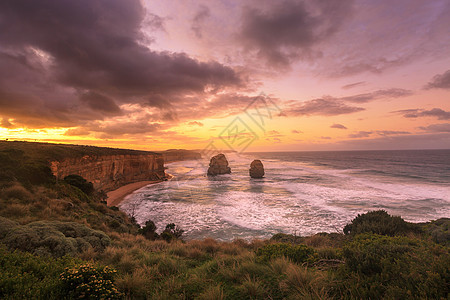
<point>60,241</point>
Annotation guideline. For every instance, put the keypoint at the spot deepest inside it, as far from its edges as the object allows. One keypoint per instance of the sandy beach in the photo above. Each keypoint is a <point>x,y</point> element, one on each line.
<point>116,196</point>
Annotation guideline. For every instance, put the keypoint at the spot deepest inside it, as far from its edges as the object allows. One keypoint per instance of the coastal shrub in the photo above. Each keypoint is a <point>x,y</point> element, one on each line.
<point>54,238</point>
<point>296,253</point>
<point>171,232</point>
<point>81,183</point>
<point>379,267</point>
<point>439,230</point>
<point>149,230</point>
<point>26,276</point>
<point>379,222</point>
<point>90,282</point>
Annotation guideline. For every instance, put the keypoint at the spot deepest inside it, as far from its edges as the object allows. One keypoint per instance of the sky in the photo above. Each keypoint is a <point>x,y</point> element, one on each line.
<point>252,75</point>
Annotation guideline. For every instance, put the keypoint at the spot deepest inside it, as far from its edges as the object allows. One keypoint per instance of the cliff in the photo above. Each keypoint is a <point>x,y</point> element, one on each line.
<point>112,171</point>
<point>106,168</point>
<point>179,154</point>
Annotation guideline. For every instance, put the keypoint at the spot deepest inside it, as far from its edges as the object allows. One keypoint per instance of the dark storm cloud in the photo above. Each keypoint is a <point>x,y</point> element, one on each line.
<point>53,51</point>
<point>338,126</point>
<point>438,113</point>
<point>322,107</point>
<point>287,30</point>
<point>440,81</point>
<point>99,102</point>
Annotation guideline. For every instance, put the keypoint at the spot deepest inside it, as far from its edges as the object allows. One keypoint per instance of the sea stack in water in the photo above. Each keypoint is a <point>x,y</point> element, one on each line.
<point>218,165</point>
<point>256,169</point>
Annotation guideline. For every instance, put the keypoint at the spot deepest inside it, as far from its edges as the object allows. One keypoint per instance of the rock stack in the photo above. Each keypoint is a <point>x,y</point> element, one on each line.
<point>218,165</point>
<point>256,169</point>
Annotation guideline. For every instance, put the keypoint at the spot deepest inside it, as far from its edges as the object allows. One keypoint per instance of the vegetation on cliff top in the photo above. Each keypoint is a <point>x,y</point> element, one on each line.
<point>93,251</point>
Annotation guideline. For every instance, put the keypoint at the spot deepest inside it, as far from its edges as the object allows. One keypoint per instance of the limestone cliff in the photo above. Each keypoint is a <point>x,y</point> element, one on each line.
<point>180,154</point>
<point>108,172</point>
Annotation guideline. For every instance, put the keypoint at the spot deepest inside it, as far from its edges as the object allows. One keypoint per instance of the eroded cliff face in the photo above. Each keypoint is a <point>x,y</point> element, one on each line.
<point>109,172</point>
<point>179,155</point>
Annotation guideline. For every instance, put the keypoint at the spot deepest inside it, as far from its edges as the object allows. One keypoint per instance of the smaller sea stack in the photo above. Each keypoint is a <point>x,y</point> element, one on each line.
<point>218,165</point>
<point>256,169</point>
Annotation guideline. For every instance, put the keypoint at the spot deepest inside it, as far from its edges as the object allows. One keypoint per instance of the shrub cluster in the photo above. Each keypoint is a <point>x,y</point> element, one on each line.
<point>383,267</point>
<point>51,238</point>
<point>81,183</point>
<point>296,253</point>
<point>171,232</point>
<point>379,222</point>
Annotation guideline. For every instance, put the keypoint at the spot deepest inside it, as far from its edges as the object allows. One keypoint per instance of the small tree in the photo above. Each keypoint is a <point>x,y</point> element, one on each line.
<point>81,183</point>
<point>171,232</point>
<point>149,230</point>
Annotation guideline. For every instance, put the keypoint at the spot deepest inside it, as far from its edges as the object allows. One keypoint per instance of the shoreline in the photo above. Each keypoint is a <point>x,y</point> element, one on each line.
<point>115,197</point>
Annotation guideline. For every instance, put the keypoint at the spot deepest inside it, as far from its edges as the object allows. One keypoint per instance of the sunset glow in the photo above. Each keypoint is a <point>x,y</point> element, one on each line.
<point>156,75</point>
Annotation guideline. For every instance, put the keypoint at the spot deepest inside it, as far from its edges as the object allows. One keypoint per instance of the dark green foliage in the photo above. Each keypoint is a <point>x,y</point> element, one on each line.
<point>16,166</point>
<point>25,276</point>
<point>52,238</point>
<point>149,230</point>
<point>90,282</point>
<point>379,222</point>
<point>286,238</point>
<point>171,232</point>
<point>438,230</point>
<point>379,267</point>
<point>81,183</point>
<point>296,253</point>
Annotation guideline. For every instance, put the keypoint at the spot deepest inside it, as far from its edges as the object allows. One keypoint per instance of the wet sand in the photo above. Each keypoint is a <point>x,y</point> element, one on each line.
<point>116,196</point>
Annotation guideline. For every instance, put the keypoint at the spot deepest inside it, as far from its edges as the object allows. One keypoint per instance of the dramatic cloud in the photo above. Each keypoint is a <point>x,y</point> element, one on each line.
<point>438,113</point>
<point>441,81</point>
<point>333,106</point>
<point>63,62</point>
<point>322,107</point>
<point>285,31</point>
<point>363,134</point>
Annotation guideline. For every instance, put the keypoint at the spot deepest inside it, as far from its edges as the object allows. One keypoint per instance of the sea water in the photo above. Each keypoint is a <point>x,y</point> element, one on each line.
<point>302,193</point>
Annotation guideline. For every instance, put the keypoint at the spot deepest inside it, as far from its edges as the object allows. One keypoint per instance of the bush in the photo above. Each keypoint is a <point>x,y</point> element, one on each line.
<point>149,230</point>
<point>25,276</point>
<point>379,267</point>
<point>296,253</point>
<point>52,238</point>
<point>171,232</point>
<point>81,183</point>
<point>380,222</point>
<point>89,282</point>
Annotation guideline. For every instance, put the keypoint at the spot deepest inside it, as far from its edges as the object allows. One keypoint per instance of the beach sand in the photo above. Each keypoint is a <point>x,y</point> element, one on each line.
<point>116,196</point>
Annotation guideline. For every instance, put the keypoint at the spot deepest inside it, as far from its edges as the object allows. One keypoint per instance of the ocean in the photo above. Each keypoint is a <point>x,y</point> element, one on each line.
<point>302,193</point>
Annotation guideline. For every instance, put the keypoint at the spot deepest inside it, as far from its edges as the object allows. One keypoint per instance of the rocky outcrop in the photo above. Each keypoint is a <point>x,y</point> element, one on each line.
<point>179,155</point>
<point>256,169</point>
<point>108,172</point>
<point>218,165</point>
